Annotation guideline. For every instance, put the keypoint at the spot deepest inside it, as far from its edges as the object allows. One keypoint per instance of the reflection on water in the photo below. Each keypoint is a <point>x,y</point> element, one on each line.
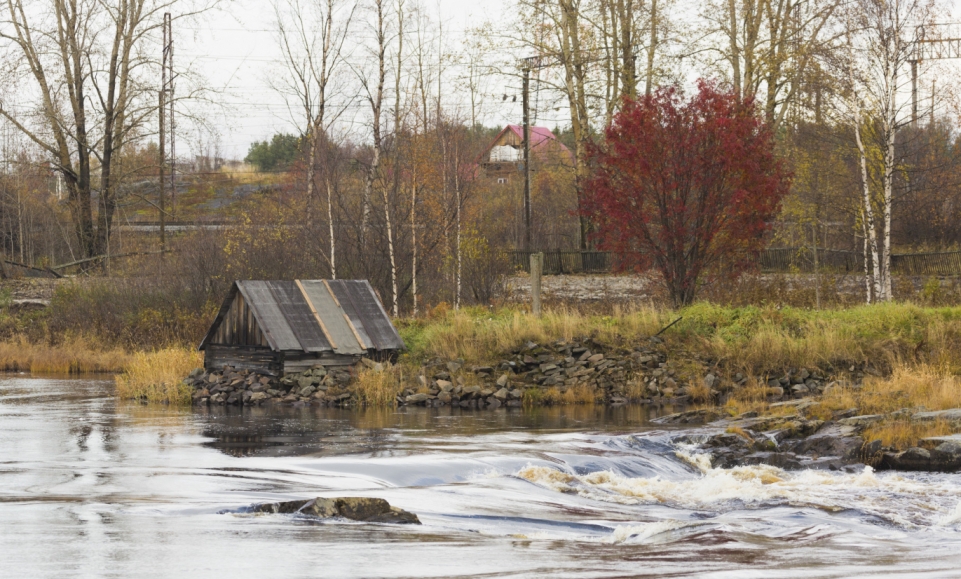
<point>287,431</point>
<point>93,488</point>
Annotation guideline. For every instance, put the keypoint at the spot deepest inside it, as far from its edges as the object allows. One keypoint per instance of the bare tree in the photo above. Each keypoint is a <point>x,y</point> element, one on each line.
<point>769,46</point>
<point>85,62</point>
<point>312,35</point>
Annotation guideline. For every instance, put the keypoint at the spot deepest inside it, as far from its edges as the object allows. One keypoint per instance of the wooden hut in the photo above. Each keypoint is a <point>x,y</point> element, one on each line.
<point>283,327</point>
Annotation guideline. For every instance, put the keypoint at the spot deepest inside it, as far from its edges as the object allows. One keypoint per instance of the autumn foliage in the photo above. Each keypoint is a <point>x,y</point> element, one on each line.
<point>685,186</point>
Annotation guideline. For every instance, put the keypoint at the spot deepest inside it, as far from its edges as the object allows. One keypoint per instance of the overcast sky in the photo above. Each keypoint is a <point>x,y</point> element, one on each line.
<point>236,49</point>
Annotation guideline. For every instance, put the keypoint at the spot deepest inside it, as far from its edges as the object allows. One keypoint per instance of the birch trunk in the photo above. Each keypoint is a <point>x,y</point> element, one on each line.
<point>413,239</point>
<point>387,222</point>
<point>867,276</point>
<point>330,223</point>
<point>376,100</point>
<point>890,133</point>
<point>457,195</point>
<point>869,225</point>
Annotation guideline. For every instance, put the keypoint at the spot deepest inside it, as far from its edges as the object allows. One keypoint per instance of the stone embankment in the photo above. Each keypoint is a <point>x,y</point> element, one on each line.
<point>792,441</point>
<point>564,372</point>
<point>317,386</point>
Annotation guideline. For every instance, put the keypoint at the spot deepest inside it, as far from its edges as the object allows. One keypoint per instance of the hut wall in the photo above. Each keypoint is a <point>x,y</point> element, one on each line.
<point>297,361</point>
<point>239,326</point>
<point>216,356</point>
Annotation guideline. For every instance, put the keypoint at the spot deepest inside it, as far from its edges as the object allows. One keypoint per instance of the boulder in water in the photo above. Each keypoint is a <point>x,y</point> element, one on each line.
<point>364,509</point>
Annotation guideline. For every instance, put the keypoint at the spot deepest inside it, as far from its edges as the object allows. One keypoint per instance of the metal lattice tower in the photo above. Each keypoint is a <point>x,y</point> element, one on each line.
<point>932,42</point>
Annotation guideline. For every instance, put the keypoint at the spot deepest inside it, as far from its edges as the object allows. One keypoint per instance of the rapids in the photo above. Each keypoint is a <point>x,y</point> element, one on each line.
<point>91,487</point>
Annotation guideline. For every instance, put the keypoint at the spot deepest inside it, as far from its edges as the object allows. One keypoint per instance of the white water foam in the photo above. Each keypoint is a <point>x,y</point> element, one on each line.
<point>897,498</point>
<point>951,519</point>
<point>643,533</point>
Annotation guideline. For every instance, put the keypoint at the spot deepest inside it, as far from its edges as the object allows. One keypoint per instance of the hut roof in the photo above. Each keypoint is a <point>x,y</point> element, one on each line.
<point>342,316</point>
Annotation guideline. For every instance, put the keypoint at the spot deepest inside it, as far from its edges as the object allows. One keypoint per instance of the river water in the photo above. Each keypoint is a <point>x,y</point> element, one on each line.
<point>90,487</point>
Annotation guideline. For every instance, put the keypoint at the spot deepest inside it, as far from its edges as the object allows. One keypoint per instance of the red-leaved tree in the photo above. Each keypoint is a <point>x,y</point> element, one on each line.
<point>687,187</point>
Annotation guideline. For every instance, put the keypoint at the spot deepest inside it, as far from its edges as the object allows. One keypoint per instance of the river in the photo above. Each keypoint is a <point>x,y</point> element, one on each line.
<point>92,487</point>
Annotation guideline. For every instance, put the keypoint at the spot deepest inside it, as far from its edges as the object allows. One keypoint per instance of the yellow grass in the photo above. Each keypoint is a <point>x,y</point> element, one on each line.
<point>903,434</point>
<point>75,355</point>
<point>477,337</point>
<point>740,432</point>
<point>698,391</point>
<point>913,387</point>
<point>379,389</point>
<point>158,376</point>
<point>580,394</point>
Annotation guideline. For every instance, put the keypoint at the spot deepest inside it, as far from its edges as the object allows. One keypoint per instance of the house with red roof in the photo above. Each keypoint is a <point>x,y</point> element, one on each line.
<point>503,159</point>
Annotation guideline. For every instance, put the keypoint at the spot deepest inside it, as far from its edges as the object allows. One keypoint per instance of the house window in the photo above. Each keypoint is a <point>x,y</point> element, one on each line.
<point>501,180</point>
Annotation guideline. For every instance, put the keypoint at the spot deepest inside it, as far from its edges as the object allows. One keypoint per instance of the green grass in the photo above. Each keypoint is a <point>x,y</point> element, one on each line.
<point>752,339</point>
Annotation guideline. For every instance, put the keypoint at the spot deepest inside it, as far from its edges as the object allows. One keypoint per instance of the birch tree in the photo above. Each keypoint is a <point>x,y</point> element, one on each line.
<point>311,35</point>
<point>882,34</point>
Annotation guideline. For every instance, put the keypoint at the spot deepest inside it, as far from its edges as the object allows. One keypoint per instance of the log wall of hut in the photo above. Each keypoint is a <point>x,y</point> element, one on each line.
<point>239,327</point>
<point>262,359</point>
<point>296,361</point>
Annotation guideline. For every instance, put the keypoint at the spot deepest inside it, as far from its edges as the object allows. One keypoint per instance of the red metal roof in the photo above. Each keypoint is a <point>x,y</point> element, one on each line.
<point>540,137</point>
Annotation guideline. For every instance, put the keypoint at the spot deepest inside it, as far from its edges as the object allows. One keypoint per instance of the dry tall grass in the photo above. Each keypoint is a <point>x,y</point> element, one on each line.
<point>921,387</point>
<point>756,340</point>
<point>379,389</point>
<point>902,434</point>
<point>478,335</point>
<point>751,339</point>
<point>75,355</point>
<point>158,376</point>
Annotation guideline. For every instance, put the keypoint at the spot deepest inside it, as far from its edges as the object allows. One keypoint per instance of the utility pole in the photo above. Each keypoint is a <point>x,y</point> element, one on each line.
<point>527,159</point>
<point>163,162</point>
<point>168,87</point>
<point>914,94</point>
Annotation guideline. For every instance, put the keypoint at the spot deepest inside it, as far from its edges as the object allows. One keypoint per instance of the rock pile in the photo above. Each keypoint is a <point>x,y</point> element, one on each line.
<point>317,386</point>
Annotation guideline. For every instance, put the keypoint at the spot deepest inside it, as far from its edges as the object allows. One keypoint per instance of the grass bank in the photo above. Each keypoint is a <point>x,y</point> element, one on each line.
<point>73,355</point>
<point>884,357</point>
<point>753,340</point>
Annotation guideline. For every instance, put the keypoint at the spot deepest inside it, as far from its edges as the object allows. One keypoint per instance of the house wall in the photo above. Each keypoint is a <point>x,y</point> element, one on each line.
<point>296,361</point>
<point>217,356</point>
<point>239,326</point>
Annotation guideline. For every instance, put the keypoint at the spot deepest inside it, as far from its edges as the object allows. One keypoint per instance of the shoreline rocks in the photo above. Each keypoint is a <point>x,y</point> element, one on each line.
<point>576,371</point>
<point>793,442</point>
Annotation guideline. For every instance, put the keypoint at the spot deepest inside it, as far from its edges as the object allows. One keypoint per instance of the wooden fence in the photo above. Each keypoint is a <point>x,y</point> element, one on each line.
<point>771,260</point>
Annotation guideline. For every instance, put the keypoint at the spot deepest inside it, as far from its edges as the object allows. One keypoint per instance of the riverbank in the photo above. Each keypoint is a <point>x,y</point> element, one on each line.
<point>888,361</point>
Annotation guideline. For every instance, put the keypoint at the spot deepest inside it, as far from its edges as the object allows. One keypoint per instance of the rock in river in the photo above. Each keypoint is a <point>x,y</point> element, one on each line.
<point>363,509</point>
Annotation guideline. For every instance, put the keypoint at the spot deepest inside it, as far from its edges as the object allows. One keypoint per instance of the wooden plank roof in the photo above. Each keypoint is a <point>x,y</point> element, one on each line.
<point>340,316</point>
<point>361,303</point>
